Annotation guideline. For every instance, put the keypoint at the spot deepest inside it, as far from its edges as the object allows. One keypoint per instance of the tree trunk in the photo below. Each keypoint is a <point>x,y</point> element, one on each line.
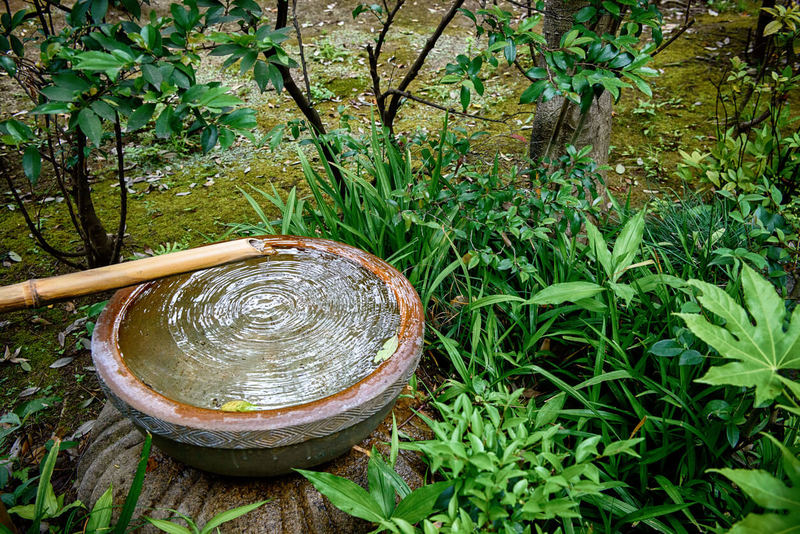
<point>550,135</point>
<point>760,42</point>
<point>596,129</point>
<point>99,245</point>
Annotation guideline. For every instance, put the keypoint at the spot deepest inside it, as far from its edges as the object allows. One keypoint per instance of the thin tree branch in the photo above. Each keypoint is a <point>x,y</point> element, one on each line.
<point>373,56</point>
<point>79,175</point>
<point>385,29</point>
<point>306,107</point>
<point>453,111</point>
<point>42,21</point>
<point>531,49</point>
<point>123,193</point>
<point>282,15</point>
<point>37,235</point>
<point>380,97</point>
<point>394,104</point>
<point>759,76</point>
<point>748,125</point>
<point>57,5</point>
<point>302,53</point>
<point>521,70</point>
<point>672,38</point>
<point>59,175</point>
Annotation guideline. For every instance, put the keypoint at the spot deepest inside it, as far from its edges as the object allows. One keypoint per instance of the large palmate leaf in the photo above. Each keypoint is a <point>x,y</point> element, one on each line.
<point>760,523</point>
<point>762,350</point>
<point>770,493</point>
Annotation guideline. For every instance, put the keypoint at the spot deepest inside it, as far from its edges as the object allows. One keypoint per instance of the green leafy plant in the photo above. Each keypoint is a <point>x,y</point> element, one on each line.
<point>511,465</point>
<point>213,523</point>
<point>764,351</point>
<point>11,422</point>
<point>756,148</point>
<point>389,503</point>
<point>16,418</point>
<point>47,504</point>
<point>763,341</point>
<point>770,492</point>
<point>602,51</point>
<point>517,296</point>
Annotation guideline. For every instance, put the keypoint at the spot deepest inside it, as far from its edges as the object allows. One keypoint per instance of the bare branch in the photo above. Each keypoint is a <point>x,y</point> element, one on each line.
<point>394,105</point>
<point>522,71</point>
<point>385,29</point>
<point>748,125</point>
<point>123,192</point>
<point>58,174</point>
<point>60,255</point>
<point>300,45</point>
<point>453,111</point>
<point>672,38</point>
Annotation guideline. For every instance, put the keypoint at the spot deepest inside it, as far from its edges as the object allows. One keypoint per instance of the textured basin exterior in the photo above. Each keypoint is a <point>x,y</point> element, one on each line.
<point>264,442</point>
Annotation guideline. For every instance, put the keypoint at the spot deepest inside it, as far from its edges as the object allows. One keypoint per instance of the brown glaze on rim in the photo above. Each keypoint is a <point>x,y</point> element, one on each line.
<point>127,387</point>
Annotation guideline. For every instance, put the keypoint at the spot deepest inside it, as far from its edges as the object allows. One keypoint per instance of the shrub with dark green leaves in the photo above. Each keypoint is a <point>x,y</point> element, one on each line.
<point>98,79</point>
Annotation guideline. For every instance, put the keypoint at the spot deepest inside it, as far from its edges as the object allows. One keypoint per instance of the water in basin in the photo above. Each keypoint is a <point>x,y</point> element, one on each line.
<point>288,329</point>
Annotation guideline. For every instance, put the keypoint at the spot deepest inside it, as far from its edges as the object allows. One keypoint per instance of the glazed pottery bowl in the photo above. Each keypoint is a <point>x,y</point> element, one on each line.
<point>262,366</point>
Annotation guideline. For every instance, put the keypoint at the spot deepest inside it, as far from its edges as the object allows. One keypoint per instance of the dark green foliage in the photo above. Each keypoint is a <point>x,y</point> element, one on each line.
<point>101,80</point>
<point>523,290</point>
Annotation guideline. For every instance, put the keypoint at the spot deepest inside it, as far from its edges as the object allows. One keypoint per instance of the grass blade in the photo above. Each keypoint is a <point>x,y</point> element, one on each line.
<point>136,488</point>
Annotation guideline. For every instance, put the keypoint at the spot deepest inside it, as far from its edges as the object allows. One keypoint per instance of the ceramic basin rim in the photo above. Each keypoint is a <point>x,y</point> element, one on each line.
<point>112,369</point>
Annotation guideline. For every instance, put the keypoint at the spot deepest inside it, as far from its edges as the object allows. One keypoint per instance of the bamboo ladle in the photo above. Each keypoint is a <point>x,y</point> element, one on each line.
<point>38,292</point>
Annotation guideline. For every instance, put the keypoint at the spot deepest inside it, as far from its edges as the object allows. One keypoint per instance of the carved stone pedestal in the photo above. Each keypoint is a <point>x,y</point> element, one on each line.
<point>295,506</point>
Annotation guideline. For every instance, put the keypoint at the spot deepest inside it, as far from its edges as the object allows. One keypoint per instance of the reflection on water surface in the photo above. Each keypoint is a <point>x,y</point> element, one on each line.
<point>292,328</point>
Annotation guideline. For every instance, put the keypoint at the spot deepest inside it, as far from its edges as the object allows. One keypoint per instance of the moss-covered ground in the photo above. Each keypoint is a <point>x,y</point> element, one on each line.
<point>180,196</point>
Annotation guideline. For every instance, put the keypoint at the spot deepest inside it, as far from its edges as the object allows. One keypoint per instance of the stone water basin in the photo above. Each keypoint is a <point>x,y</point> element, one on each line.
<point>315,341</point>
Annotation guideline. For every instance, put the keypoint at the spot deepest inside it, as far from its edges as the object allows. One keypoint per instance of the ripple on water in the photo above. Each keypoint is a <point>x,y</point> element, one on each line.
<point>292,328</point>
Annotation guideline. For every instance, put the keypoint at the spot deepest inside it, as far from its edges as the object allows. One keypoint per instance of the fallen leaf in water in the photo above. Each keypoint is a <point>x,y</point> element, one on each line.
<point>238,406</point>
<point>387,350</point>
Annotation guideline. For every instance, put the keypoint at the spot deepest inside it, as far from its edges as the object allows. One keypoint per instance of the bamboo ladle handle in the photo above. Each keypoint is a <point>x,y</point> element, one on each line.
<point>37,292</point>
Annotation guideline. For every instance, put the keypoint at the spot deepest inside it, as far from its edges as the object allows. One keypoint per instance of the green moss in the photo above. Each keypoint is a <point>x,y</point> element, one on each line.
<point>346,87</point>
<point>648,146</point>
